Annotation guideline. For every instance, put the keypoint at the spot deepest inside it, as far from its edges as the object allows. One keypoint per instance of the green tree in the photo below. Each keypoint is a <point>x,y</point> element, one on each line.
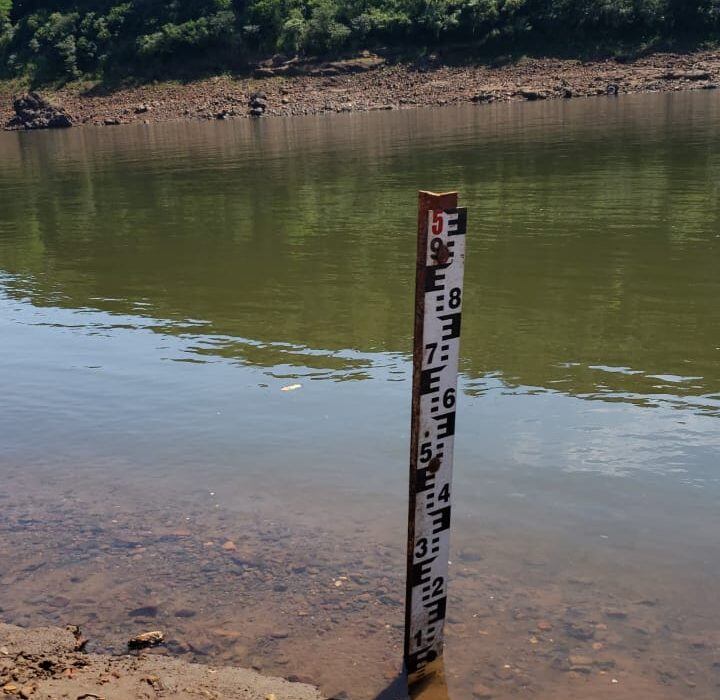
<point>63,39</point>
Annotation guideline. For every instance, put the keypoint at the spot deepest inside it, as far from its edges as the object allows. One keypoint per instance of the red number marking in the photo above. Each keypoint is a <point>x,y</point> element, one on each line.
<point>438,222</point>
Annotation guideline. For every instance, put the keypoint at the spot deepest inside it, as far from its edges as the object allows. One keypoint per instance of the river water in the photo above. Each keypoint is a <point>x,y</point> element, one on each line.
<point>161,285</point>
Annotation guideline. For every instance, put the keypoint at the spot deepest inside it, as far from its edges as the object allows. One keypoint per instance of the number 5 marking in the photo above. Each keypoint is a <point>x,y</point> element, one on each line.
<point>438,222</point>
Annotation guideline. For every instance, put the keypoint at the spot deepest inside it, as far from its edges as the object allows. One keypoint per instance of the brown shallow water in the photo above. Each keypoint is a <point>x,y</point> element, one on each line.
<point>158,288</point>
<point>524,604</point>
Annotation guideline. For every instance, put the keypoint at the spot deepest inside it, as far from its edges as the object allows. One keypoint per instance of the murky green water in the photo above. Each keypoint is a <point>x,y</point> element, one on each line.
<point>160,285</point>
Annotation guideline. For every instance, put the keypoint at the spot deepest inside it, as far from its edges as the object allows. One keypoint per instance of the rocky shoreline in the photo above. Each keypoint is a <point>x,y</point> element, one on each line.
<point>370,83</point>
<point>49,663</point>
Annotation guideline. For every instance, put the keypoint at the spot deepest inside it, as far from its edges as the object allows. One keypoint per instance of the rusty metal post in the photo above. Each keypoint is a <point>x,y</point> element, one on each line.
<point>438,309</point>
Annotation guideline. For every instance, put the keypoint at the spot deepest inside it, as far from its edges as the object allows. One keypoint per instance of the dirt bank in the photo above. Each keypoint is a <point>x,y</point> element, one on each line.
<point>371,83</point>
<point>45,664</point>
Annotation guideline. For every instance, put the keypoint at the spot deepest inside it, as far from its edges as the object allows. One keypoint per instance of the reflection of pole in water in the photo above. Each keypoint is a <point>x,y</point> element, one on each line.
<point>438,311</point>
<point>432,686</point>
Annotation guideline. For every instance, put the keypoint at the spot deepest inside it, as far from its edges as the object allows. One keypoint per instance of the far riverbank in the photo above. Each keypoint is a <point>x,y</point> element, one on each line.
<point>369,83</point>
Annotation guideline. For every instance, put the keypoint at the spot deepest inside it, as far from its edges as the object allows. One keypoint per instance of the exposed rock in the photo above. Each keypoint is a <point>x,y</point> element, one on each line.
<point>27,691</point>
<point>258,104</point>
<point>357,65</point>
<point>686,75</point>
<point>361,64</point>
<point>264,72</point>
<point>146,639</point>
<point>32,111</point>
<point>532,95</point>
<point>483,97</point>
<point>80,641</point>
<point>43,663</point>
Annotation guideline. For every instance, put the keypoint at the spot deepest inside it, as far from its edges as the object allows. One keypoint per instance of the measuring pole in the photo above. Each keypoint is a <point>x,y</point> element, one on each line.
<point>438,311</point>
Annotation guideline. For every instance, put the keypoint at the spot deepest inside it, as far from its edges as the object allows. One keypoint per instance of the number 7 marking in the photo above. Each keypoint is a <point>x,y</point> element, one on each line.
<point>432,347</point>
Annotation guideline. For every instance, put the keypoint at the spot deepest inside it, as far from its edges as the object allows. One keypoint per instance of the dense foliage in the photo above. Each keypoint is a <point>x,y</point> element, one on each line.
<point>64,39</point>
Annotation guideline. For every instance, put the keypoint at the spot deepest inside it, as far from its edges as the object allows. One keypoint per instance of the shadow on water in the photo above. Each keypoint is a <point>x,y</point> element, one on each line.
<point>396,690</point>
<point>431,687</point>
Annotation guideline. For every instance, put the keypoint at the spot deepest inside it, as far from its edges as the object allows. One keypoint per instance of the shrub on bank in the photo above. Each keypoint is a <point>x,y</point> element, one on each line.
<point>65,39</point>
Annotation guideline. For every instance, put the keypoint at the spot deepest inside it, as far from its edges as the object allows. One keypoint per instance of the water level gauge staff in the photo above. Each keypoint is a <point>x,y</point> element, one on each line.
<point>438,315</point>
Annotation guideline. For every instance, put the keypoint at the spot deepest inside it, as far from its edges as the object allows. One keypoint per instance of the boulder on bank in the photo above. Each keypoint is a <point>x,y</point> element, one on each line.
<point>531,94</point>
<point>483,97</point>
<point>32,111</point>
<point>258,104</point>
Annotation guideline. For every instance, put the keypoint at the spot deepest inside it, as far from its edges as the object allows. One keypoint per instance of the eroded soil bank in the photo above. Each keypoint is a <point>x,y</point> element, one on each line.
<point>45,663</point>
<point>370,83</point>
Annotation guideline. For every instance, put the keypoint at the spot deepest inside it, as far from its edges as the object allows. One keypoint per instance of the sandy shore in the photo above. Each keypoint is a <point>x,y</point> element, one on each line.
<point>46,664</point>
<point>371,83</point>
